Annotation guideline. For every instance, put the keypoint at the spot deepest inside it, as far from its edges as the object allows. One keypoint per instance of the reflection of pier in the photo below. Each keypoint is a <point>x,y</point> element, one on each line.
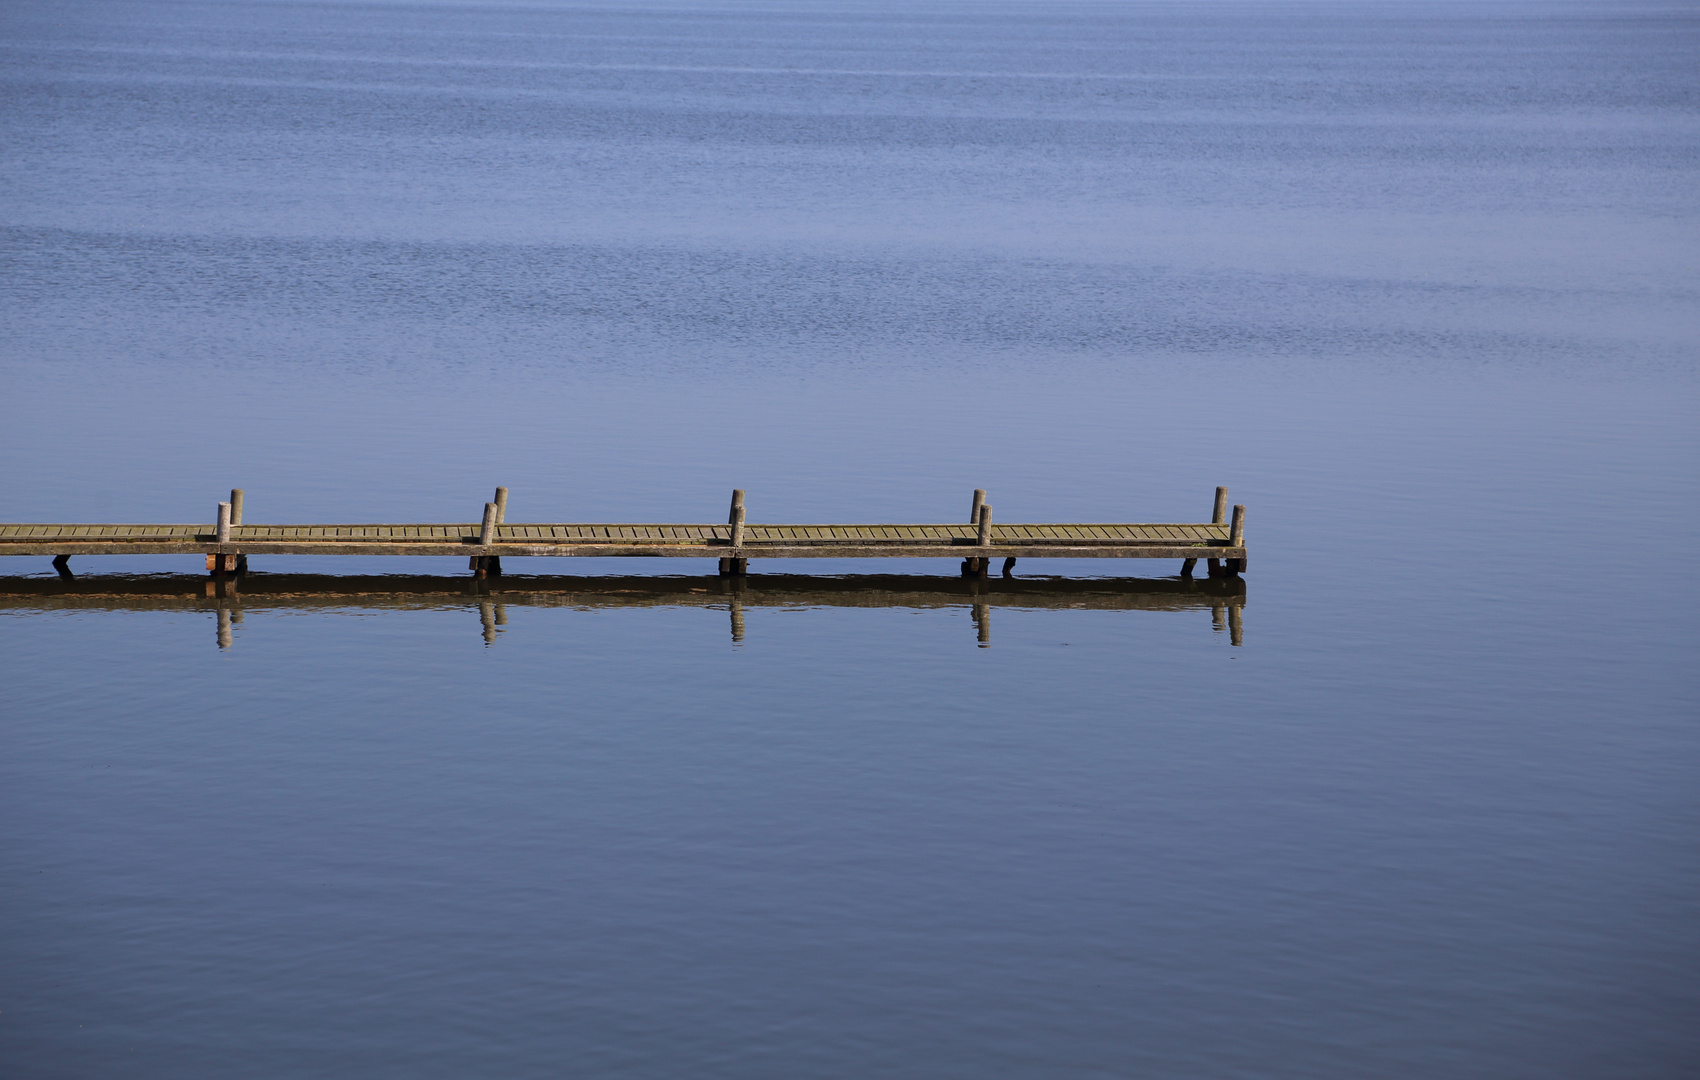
<point>228,598</point>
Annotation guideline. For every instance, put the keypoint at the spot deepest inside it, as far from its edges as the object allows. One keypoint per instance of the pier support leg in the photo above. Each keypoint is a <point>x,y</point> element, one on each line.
<point>1186,567</point>
<point>222,565</point>
<point>62,563</point>
<point>1009,567</point>
<point>1214,567</point>
<point>1234,567</point>
<point>734,567</point>
<point>974,568</point>
<point>486,565</point>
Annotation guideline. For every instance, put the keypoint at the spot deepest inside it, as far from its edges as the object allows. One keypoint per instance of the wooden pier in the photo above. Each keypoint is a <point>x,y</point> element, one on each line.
<point>228,542</point>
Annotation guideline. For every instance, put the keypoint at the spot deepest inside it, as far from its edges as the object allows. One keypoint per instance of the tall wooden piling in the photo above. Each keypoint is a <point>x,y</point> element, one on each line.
<point>236,506</point>
<point>1236,538</point>
<point>501,505</point>
<point>974,509</point>
<point>223,527</point>
<point>1217,517</point>
<point>736,565</point>
<point>487,565</point>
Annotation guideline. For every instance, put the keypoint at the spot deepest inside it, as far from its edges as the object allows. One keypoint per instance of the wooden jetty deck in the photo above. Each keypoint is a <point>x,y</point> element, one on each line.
<point>227,543</point>
<point>228,599</point>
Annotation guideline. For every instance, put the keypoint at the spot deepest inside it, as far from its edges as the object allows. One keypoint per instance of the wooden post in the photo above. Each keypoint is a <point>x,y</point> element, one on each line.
<point>223,527</point>
<point>1236,537</point>
<point>1217,517</point>
<point>486,565</point>
<point>979,501</point>
<point>501,505</point>
<point>1009,567</point>
<point>1186,567</point>
<point>62,563</point>
<point>236,506</point>
<point>736,518</point>
<point>985,524</point>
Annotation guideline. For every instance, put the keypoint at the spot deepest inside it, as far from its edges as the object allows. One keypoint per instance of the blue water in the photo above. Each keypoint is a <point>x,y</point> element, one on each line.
<point>1418,282</point>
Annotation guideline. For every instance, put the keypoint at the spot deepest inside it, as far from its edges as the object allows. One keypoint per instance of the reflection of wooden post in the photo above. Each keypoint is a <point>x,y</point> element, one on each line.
<point>224,635</point>
<point>501,505</point>
<point>983,623</point>
<point>1236,632</point>
<point>1218,618</point>
<point>487,617</point>
<point>737,609</point>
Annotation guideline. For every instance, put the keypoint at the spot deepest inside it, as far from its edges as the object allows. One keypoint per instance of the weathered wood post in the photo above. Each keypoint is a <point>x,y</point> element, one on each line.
<point>971,566</point>
<point>1236,538</point>
<point>236,495</point>
<point>983,563</point>
<point>219,563</point>
<point>737,564</point>
<point>487,565</point>
<point>1217,517</point>
<point>501,505</point>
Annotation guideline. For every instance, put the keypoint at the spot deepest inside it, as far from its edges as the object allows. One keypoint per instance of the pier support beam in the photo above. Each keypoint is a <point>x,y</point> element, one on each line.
<point>62,563</point>
<point>1186,567</point>
<point>734,567</point>
<point>489,565</point>
<point>1009,567</point>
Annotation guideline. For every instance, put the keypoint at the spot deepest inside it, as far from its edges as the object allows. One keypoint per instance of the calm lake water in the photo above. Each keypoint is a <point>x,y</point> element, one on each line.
<point>1420,282</point>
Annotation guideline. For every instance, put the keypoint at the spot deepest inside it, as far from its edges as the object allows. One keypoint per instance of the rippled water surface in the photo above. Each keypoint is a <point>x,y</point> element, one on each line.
<point>1418,281</point>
